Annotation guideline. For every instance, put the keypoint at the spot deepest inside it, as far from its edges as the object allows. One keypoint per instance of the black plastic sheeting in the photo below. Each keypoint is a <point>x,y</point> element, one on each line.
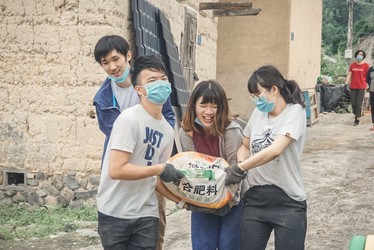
<point>330,96</point>
<point>153,36</point>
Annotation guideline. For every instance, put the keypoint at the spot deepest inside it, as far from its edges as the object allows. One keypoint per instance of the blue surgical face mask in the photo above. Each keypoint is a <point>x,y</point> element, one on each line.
<point>263,105</point>
<point>122,78</point>
<point>359,57</point>
<point>197,120</point>
<point>158,91</point>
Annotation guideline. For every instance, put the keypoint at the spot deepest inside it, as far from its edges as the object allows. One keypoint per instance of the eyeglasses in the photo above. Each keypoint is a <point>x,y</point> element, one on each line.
<point>256,97</point>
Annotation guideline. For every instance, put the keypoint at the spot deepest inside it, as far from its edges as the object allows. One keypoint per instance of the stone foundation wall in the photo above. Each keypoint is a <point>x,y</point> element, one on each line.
<point>51,190</point>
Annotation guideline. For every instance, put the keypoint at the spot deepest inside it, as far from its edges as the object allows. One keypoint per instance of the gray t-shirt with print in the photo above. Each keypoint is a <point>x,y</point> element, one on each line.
<point>284,171</point>
<point>150,141</point>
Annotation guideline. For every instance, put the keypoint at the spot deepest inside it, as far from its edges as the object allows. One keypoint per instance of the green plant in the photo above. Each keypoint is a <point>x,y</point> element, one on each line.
<point>19,221</point>
<point>334,66</point>
<point>335,21</point>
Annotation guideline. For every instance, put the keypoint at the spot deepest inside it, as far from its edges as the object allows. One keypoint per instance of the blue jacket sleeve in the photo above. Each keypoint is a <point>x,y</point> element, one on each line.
<point>106,118</point>
<point>168,113</point>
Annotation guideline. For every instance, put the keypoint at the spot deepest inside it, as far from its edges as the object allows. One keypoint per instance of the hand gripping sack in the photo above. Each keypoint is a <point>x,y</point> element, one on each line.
<point>204,182</point>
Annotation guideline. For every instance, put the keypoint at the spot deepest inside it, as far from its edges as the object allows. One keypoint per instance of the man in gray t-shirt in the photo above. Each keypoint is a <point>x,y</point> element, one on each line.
<point>134,164</point>
<point>117,93</point>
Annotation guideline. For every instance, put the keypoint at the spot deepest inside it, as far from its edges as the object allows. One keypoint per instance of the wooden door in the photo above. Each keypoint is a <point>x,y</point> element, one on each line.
<point>188,46</point>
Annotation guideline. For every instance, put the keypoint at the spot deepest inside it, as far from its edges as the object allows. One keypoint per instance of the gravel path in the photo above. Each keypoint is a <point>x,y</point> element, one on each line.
<point>338,166</point>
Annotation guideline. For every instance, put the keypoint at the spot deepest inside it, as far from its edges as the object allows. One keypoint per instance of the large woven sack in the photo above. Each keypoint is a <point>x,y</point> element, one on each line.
<point>204,181</point>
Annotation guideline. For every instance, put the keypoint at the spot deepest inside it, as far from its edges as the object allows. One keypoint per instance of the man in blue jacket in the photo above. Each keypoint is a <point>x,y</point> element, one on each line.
<point>117,93</point>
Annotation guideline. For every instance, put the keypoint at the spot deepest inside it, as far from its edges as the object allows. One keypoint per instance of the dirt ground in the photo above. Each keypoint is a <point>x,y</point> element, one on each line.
<point>338,174</point>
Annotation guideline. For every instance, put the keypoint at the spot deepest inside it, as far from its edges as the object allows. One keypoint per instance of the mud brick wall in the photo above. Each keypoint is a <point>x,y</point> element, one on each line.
<point>48,77</point>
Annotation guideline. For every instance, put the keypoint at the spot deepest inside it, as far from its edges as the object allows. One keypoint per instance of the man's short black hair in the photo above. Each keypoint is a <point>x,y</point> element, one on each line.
<point>152,62</point>
<point>107,43</point>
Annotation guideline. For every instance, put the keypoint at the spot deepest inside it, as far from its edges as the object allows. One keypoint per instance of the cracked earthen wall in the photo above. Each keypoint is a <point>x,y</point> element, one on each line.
<point>48,77</point>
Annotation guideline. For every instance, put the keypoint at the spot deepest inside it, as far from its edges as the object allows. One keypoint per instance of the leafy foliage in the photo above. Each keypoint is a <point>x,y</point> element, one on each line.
<point>334,33</point>
<point>335,23</point>
<point>334,69</point>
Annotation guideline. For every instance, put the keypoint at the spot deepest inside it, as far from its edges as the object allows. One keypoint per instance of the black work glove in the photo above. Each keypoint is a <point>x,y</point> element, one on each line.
<point>234,174</point>
<point>220,211</point>
<point>171,174</point>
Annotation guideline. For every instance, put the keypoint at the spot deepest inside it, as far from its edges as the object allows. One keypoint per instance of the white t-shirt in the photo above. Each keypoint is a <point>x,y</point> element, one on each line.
<point>150,141</point>
<point>284,171</point>
<point>126,97</point>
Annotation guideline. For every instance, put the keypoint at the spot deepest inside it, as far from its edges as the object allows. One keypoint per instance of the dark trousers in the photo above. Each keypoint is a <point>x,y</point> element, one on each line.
<point>372,106</point>
<point>128,234</point>
<point>357,97</point>
<point>268,208</point>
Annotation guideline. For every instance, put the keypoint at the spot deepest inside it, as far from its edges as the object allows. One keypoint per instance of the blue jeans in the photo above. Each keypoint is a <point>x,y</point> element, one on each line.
<point>211,232</point>
<point>268,208</point>
<point>128,234</point>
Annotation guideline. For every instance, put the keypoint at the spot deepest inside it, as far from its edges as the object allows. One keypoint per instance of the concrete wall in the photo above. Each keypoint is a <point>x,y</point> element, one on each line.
<point>305,49</point>
<point>248,42</point>
<point>48,77</point>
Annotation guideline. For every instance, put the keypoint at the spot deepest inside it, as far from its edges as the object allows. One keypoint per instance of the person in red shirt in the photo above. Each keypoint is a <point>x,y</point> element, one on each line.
<point>357,78</point>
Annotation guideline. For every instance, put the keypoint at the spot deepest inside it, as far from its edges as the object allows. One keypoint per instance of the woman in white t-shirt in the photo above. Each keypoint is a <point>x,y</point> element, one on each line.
<point>269,159</point>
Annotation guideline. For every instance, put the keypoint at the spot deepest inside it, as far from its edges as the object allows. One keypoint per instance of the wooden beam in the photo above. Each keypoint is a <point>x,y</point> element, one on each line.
<point>220,6</point>
<point>239,12</point>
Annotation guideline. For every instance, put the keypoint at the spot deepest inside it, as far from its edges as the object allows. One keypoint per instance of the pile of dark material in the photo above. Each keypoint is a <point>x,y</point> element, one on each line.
<point>344,104</point>
<point>334,98</point>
